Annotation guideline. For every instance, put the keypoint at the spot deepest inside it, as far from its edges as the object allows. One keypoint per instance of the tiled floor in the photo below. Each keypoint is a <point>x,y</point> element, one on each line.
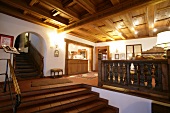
<point>26,84</point>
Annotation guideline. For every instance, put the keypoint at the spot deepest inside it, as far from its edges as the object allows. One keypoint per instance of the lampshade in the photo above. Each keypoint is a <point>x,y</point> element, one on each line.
<point>163,39</point>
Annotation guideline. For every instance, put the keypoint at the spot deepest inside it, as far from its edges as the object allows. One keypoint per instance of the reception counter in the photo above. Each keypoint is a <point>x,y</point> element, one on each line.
<point>77,66</point>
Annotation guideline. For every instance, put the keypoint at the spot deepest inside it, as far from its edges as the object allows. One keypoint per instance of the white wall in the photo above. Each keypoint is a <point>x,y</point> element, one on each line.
<point>147,43</point>
<point>13,27</point>
<point>125,103</point>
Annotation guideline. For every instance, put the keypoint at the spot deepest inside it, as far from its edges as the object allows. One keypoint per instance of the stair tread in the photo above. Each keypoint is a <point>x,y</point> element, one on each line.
<point>53,94</point>
<point>106,110</point>
<point>73,98</point>
<point>58,103</point>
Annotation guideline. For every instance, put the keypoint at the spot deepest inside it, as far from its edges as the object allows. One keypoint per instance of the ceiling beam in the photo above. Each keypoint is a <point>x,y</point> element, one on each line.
<point>127,19</point>
<point>33,2</point>
<point>82,36</point>
<point>87,5</point>
<point>58,6</point>
<point>114,1</point>
<point>150,18</point>
<point>102,32</point>
<point>90,34</point>
<point>113,27</point>
<point>68,3</point>
<point>118,9</point>
<point>22,5</point>
<point>17,14</point>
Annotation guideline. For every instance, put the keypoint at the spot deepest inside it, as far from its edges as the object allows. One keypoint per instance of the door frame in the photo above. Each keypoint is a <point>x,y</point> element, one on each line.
<point>80,44</point>
<point>97,52</point>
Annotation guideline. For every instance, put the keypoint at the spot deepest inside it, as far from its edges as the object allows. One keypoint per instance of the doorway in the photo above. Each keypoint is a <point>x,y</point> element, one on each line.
<point>105,54</point>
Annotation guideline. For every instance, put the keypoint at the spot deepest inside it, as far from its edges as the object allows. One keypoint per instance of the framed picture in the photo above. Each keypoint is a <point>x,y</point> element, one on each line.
<point>56,53</point>
<point>122,56</point>
<point>6,40</point>
<point>116,56</point>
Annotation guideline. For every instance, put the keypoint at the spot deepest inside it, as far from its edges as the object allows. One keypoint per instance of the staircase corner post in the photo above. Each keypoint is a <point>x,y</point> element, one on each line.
<point>100,70</point>
<point>168,69</point>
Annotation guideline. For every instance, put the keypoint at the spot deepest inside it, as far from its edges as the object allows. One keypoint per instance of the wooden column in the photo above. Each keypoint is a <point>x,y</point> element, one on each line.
<point>100,70</point>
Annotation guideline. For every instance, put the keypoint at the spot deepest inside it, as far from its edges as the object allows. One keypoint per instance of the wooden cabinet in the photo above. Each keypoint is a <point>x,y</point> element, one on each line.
<point>77,66</point>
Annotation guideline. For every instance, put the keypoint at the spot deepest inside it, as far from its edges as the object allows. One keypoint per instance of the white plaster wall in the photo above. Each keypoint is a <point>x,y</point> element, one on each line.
<point>125,103</point>
<point>38,42</point>
<point>13,26</point>
<point>147,43</point>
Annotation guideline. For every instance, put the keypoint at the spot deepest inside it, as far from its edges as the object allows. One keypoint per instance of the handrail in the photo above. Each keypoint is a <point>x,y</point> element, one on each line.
<point>37,58</point>
<point>144,76</point>
<point>9,80</point>
<point>16,86</point>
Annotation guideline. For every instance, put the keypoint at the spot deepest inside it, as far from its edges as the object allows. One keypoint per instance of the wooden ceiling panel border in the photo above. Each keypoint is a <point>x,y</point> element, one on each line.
<point>127,19</point>
<point>58,6</point>
<point>113,11</point>
<point>22,5</point>
<point>150,18</point>
<point>114,1</point>
<point>90,35</point>
<point>32,2</point>
<point>102,32</point>
<point>17,14</point>
<point>87,5</point>
<point>113,27</point>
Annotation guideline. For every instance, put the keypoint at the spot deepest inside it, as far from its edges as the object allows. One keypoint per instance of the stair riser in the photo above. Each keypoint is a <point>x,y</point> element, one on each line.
<point>45,91</point>
<point>52,99</point>
<point>65,106</point>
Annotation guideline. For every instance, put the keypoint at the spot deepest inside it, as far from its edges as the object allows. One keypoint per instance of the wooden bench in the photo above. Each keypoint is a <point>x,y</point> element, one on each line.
<point>58,70</point>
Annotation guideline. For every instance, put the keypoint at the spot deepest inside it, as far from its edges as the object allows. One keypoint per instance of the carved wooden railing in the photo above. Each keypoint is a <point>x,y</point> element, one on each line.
<point>10,79</point>
<point>143,76</point>
<point>37,58</point>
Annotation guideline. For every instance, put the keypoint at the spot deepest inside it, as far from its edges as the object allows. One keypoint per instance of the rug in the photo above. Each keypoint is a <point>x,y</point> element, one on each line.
<point>90,75</point>
<point>49,82</point>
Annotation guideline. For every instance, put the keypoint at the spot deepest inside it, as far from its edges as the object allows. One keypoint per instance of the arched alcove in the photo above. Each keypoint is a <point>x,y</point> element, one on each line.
<point>36,40</point>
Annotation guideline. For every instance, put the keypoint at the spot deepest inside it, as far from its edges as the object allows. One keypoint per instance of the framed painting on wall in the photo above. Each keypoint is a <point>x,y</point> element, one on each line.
<point>6,40</point>
<point>116,56</point>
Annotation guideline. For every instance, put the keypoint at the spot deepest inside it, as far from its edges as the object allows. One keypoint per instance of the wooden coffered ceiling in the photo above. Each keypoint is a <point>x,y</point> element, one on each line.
<point>95,20</point>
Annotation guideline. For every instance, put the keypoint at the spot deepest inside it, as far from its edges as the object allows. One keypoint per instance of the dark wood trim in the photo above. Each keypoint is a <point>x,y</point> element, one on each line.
<point>118,9</point>
<point>133,54</point>
<point>78,43</point>
<point>68,41</point>
<point>66,57</point>
<point>96,53</point>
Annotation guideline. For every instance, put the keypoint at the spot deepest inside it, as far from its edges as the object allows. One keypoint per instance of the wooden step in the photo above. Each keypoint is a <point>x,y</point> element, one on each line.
<point>26,75</point>
<point>23,63</point>
<point>24,67</point>
<point>30,96</point>
<point>25,70</point>
<point>72,98</point>
<point>59,104</point>
<point>107,109</point>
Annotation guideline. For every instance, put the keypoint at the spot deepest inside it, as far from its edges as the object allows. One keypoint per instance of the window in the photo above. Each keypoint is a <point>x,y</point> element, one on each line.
<point>133,50</point>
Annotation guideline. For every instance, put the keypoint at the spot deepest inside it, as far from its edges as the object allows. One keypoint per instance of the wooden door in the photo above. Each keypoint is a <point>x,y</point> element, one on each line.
<point>97,52</point>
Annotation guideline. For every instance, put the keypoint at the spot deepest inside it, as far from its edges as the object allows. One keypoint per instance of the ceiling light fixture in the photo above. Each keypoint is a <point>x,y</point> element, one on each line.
<point>55,12</point>
<point>154,30</point>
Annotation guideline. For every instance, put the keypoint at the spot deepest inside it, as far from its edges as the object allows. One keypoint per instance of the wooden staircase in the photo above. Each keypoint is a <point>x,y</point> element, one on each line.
<point>66,98</point>
<point>24,67</point>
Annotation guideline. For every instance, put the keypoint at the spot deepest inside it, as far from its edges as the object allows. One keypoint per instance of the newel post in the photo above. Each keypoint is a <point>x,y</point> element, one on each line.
<point>168,57</point>
<point>100,69</point>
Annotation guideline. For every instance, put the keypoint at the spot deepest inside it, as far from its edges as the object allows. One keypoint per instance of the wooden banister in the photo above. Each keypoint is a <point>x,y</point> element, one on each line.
<point>144,76</point>
<point>37,58</point>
